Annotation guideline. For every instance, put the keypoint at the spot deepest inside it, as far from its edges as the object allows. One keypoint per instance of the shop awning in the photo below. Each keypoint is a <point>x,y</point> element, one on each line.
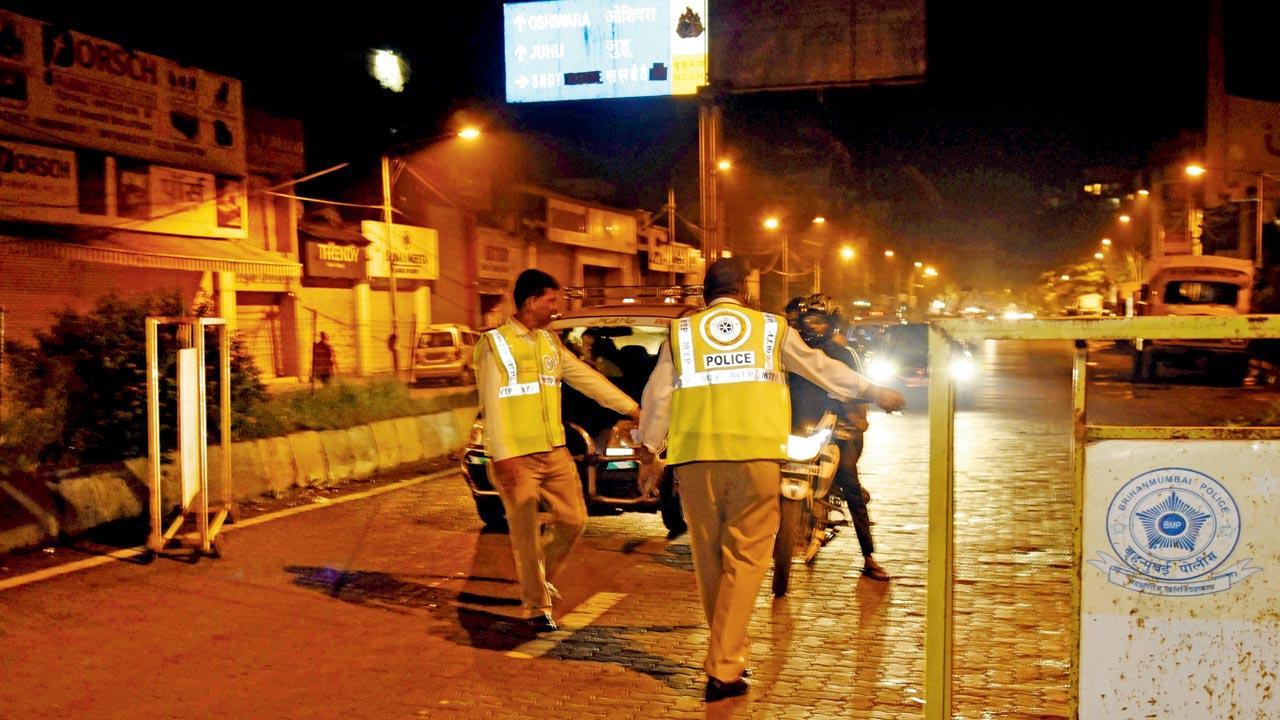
<point>165,252</point>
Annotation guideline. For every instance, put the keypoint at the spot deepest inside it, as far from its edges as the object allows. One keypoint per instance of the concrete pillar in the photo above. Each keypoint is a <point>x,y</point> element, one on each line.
<point>364,330</point>
<point>226,289</point>
<point>421,314</point>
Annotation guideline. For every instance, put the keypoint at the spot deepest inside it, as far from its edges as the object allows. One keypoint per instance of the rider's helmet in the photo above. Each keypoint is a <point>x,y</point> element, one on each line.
<point>795,306</point>
<point>819,318</point>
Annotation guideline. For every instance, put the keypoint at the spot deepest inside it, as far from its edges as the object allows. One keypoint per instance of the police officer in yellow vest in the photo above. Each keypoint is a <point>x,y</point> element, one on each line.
<point>718,401</point>
<point>519,366</point>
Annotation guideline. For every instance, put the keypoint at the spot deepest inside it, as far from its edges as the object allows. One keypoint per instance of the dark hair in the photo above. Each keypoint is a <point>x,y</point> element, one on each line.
<point>532,283</point>
<point>726,276</point>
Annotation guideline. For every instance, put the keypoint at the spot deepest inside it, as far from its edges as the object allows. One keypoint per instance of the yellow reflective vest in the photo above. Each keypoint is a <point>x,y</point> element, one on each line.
<point>730,400</point>
<point>529,399</point>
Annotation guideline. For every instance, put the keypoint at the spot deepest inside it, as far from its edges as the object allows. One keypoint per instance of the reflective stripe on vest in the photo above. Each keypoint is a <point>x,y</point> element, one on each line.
<point>690,377</point>
<point>730,401</point>
<point>529,401</point>
<point>513,387</point>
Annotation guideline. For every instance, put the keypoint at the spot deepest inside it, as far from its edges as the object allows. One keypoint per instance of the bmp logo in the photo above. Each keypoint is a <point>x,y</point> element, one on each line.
<point>1172,531</point>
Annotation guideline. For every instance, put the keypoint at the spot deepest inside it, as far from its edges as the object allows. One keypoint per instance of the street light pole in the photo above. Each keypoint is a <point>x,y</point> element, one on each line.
<point>393,340</point>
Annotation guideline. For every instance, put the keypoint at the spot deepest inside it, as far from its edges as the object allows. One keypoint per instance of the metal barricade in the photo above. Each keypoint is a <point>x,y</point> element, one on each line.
<point>192,455</point>
<point>1164,566</point>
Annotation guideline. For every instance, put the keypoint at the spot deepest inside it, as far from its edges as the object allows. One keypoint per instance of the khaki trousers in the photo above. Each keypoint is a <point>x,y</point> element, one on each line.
<point>732,511</point>
<point>548,478</point>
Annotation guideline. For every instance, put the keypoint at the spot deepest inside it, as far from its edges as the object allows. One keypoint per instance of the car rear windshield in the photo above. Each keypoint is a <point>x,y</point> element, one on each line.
<point>1197,292</point>
<point>436,340</point>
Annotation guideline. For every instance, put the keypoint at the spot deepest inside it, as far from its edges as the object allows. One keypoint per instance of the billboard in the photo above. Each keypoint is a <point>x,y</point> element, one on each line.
<point>591,49</point>
<point>414,250</point>
<point>782,44</point>
<point>63,87</point>
<point>82,187</point>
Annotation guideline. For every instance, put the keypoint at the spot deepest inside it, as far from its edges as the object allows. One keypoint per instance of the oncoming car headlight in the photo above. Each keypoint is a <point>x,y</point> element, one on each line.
<point>882,369</point>
<point>963,368</point>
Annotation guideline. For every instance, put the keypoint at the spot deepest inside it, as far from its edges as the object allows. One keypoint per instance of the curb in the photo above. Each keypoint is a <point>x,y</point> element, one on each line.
<point>75,505</point>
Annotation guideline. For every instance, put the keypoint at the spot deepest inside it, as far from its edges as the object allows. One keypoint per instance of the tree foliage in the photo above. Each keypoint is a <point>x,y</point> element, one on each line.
<point>81,389</point>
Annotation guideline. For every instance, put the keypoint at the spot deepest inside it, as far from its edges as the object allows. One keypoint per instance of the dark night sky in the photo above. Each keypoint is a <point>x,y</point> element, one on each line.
<point>1020,98</point>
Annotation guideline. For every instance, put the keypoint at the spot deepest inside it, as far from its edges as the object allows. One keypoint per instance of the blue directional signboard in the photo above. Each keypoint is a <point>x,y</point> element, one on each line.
<point>589,49</point>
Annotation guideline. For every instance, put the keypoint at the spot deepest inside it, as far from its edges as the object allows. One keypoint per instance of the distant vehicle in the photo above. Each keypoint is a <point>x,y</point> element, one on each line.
<point>1087,305</point>
<point>599,439</point>
<point>899,358</point>
<point>1194,285</point>
<point>445,352</point>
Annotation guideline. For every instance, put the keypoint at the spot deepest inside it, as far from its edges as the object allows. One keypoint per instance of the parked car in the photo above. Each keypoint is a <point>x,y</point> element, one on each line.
<point>897,355</point>
<point>445,352</point>
<point>1194,285</point>
<point>599,439</point>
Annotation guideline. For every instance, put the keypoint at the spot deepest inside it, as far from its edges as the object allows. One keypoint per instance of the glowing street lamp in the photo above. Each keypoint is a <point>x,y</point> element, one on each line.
<point>846,253</point>
<point>1125,218</point>
<point>389,69</point>
<point>1106,242</point>
<point>1064,278</point>
<point>1098,256</point>
<point>1195,170</point>
<point>819,220</point>
<point>770,223</point>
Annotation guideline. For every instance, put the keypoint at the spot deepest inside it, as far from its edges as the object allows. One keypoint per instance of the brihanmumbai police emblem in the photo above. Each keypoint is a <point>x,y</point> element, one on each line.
<point>1172,531</point>
<point>549,363</point>
<point>725,329</point>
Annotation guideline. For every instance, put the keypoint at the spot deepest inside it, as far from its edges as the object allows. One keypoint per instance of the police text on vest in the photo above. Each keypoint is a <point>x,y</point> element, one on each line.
<point>729,359</point>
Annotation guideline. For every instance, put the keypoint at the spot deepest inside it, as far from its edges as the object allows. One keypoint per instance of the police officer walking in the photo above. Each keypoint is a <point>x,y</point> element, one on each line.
<point>718,402</point>
<point>519,368</point>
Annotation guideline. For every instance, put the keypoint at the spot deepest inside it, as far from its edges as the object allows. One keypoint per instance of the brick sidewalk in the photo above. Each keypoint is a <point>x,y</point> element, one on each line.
<point>398,606</point>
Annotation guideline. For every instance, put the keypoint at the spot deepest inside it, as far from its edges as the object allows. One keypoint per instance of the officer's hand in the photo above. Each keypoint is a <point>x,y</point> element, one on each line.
<point>888,399</point>
<point>650,474</point>
<point>635,414</point>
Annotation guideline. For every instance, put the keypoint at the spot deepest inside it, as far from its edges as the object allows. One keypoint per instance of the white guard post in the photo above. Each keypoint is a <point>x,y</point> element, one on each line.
<point>192,455</point>
<point>1176,541</point>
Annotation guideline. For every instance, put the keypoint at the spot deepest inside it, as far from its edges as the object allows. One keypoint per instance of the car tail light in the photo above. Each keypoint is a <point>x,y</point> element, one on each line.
<point>619,442</point>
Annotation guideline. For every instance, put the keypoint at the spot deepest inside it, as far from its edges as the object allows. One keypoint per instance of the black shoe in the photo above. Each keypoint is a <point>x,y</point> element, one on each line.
<point>718,690</point>
<point>541,623</point>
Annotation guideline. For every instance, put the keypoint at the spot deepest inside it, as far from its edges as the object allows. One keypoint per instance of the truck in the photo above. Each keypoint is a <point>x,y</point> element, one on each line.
<point>1191,285</point>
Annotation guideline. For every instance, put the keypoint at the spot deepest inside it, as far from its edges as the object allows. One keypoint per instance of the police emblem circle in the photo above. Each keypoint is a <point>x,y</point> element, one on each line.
<point>1173,524</point>
<point>726,329</point>
<point>548,363</point>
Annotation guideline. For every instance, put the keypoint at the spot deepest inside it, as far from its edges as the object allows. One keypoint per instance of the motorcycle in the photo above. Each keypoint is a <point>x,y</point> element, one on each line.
<point>811,514</point>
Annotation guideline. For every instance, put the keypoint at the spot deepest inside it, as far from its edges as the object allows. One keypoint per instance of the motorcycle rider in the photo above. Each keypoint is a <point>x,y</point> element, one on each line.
<point>817,322</point>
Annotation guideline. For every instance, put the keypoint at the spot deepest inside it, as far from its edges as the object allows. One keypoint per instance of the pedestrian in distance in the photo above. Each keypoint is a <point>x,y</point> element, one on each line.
<point>323,363</point>
<point>718,403</point>
<point>519,366</point>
